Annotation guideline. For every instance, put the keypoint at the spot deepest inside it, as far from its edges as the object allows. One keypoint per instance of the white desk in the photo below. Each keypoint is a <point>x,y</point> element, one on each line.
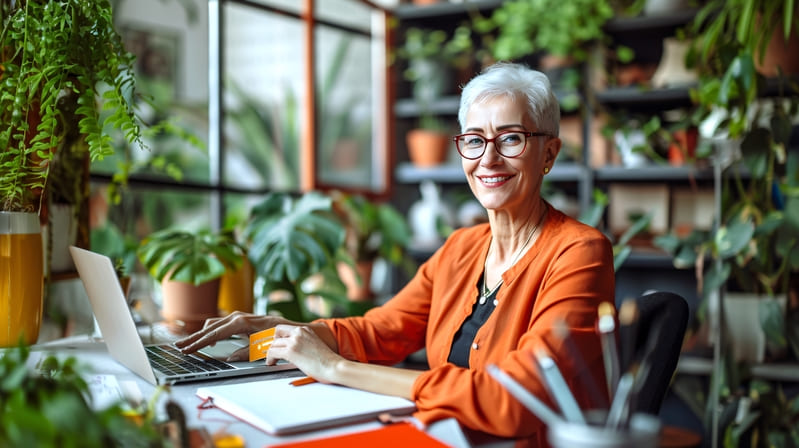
<point>92,353</point>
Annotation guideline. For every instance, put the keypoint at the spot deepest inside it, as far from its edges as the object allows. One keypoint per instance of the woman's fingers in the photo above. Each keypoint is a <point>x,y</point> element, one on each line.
<point>215,329</point>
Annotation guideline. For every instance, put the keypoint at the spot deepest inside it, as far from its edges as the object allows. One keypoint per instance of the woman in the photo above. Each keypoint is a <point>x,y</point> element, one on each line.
<point>492,294</point>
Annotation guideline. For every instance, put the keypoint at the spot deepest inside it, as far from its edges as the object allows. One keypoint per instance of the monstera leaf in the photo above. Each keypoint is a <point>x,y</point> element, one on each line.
<point>292,239</point>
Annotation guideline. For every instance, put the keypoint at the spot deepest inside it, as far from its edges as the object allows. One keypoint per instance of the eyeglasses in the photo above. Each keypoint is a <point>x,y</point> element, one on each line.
<point>509,144</point>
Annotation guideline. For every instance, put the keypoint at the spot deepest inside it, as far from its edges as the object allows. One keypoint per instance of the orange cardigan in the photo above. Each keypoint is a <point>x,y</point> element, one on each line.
<point>566,274</point>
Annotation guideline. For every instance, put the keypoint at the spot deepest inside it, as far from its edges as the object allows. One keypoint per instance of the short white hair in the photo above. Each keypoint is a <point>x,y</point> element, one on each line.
<point>514,80</point>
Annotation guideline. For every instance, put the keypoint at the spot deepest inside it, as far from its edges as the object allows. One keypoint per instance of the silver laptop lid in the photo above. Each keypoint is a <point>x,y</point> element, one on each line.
<point>111,311</point>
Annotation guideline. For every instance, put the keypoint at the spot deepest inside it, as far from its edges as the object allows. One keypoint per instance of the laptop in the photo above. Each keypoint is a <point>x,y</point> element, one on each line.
<point>156,363</point>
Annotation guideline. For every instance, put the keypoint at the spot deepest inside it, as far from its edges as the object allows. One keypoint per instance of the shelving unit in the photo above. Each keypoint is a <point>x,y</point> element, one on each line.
<point>578,179</point>
<point>645,268</point>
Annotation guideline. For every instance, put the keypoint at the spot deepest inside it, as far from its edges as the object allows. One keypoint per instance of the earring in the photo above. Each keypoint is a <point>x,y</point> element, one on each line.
<point>546,170</point>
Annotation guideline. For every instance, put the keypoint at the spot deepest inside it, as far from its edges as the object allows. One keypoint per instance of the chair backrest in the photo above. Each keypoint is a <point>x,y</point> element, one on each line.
<point>657,336</point>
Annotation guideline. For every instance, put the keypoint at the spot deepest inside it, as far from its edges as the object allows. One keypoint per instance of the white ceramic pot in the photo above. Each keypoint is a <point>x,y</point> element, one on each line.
<point>744,332</point>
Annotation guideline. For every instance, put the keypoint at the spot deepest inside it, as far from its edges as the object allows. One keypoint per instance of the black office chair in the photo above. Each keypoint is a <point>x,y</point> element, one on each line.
<point>660,329</point>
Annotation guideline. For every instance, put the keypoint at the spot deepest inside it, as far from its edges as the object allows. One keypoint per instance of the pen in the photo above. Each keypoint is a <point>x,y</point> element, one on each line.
<point>628,333</point>
<point>561,330</point>
<point>530,401</point>
<point>607,334</point>
<point>303,381</point>
<point>558,388</point>
<point>618,416</point>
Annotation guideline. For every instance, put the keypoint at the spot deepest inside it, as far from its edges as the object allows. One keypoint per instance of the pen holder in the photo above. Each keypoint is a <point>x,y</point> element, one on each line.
<point>642,432</point>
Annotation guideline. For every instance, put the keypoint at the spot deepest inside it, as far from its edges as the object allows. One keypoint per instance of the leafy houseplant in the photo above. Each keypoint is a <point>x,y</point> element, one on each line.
<point>189,266</point>
<point>291,242</point>
<point>52,408</point>
<point>517,29</point>
<point>753,247</point>
<point>57,59</point>
<point>373,230</point>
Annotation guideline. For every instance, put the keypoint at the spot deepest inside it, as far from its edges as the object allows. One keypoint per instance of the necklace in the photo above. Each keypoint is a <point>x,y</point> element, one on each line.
<point>485,293</point>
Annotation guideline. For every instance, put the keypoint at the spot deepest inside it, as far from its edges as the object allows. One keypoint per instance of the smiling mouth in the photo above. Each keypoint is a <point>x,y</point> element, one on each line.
<point>494,179</point>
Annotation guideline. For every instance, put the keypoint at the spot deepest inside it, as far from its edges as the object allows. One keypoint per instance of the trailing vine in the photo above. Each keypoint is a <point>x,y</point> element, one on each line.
<point>51,53</point>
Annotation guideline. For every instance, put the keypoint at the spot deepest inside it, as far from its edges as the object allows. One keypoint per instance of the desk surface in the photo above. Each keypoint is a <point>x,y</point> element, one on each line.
<point>92,352</point>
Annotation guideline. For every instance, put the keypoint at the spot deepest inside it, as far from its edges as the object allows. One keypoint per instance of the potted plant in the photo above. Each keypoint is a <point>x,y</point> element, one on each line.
<point>189,266</point>
<point>57,60</point>
<point>516,31</point>
<point>52,407</point>
<point>373,230</point>
<point>429,71</point>
<point>752,249</point>
<point>294,244</point>
<point>754,242</point>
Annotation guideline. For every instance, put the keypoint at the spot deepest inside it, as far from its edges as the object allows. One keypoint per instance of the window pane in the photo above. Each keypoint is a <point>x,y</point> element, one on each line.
<point>345,109</point>
<point>116,229</point>
<point>349,13</point>
<point>170,42</point>
<point>263,85</point>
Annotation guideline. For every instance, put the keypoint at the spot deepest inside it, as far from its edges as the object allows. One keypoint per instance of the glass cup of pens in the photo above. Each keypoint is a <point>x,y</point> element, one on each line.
<point>641,431</point>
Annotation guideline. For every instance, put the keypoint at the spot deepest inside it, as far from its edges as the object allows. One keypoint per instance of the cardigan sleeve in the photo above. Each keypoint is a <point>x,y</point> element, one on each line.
<point>389,333</point>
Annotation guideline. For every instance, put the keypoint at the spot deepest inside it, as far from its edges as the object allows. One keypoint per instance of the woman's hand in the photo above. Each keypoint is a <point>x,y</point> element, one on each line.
<point>302,346</point>
<point>219,328</point>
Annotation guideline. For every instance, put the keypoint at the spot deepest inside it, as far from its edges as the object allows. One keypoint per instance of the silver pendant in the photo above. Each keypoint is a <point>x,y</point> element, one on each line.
<point>483,299</point>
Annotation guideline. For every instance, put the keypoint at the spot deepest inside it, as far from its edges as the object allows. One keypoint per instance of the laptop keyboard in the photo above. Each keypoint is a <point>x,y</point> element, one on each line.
<point>170,360</point>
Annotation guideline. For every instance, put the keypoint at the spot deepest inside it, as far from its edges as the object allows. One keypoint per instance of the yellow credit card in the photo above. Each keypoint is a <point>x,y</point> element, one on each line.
<point>260,343</point>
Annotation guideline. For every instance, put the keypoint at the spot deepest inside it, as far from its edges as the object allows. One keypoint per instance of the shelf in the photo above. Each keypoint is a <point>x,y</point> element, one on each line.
<point>650,259</point>
<point>447,105</point>
<point>639,96</point>
<point>408,108</point>
<point>651,173</point>
<point>437,10</point>
<point>453,173</point>
<point>649,23</point>
<point>449,173</point>
<point>695,365</point>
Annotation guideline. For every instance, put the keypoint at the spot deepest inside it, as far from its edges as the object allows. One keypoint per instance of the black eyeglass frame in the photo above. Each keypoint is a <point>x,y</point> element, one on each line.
<point>527,134</point>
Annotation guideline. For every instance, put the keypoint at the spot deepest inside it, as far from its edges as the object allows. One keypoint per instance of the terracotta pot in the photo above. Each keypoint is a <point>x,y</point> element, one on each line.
<point>358,286</point>
<point>186,307</point>
<point>780,53</point>
<point>684,146</point>
<point>427,148</point>
<point>21,278</point>
<point>236,290</point>
<point>425,2</point>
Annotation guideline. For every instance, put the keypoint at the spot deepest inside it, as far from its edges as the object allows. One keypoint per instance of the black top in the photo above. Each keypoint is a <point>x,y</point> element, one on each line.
<point>462,343</point>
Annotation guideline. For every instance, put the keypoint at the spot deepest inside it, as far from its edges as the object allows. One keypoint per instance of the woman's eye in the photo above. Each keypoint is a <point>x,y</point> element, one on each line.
<point>511,139</point>
<point>475,141</point>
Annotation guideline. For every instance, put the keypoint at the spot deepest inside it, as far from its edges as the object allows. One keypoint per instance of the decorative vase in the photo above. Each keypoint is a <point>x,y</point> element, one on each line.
<point>21,278</point>
<point>236,291</point>
<point>743,313</point>
<point>626,142</point>
<point>427,214</point>
<point>659,7</point>
<point>185,307</point>
<point>671,70</point>
<point>427,148</point>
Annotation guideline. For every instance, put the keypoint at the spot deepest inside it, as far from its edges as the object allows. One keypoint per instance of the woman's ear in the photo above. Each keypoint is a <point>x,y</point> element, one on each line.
<point>551,150</point>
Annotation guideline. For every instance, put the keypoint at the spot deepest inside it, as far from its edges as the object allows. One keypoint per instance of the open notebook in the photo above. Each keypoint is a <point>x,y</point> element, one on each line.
<point>263,404</point>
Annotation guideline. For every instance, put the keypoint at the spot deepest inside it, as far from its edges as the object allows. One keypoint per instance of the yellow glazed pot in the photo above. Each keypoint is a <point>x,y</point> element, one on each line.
<point>21,278</point>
